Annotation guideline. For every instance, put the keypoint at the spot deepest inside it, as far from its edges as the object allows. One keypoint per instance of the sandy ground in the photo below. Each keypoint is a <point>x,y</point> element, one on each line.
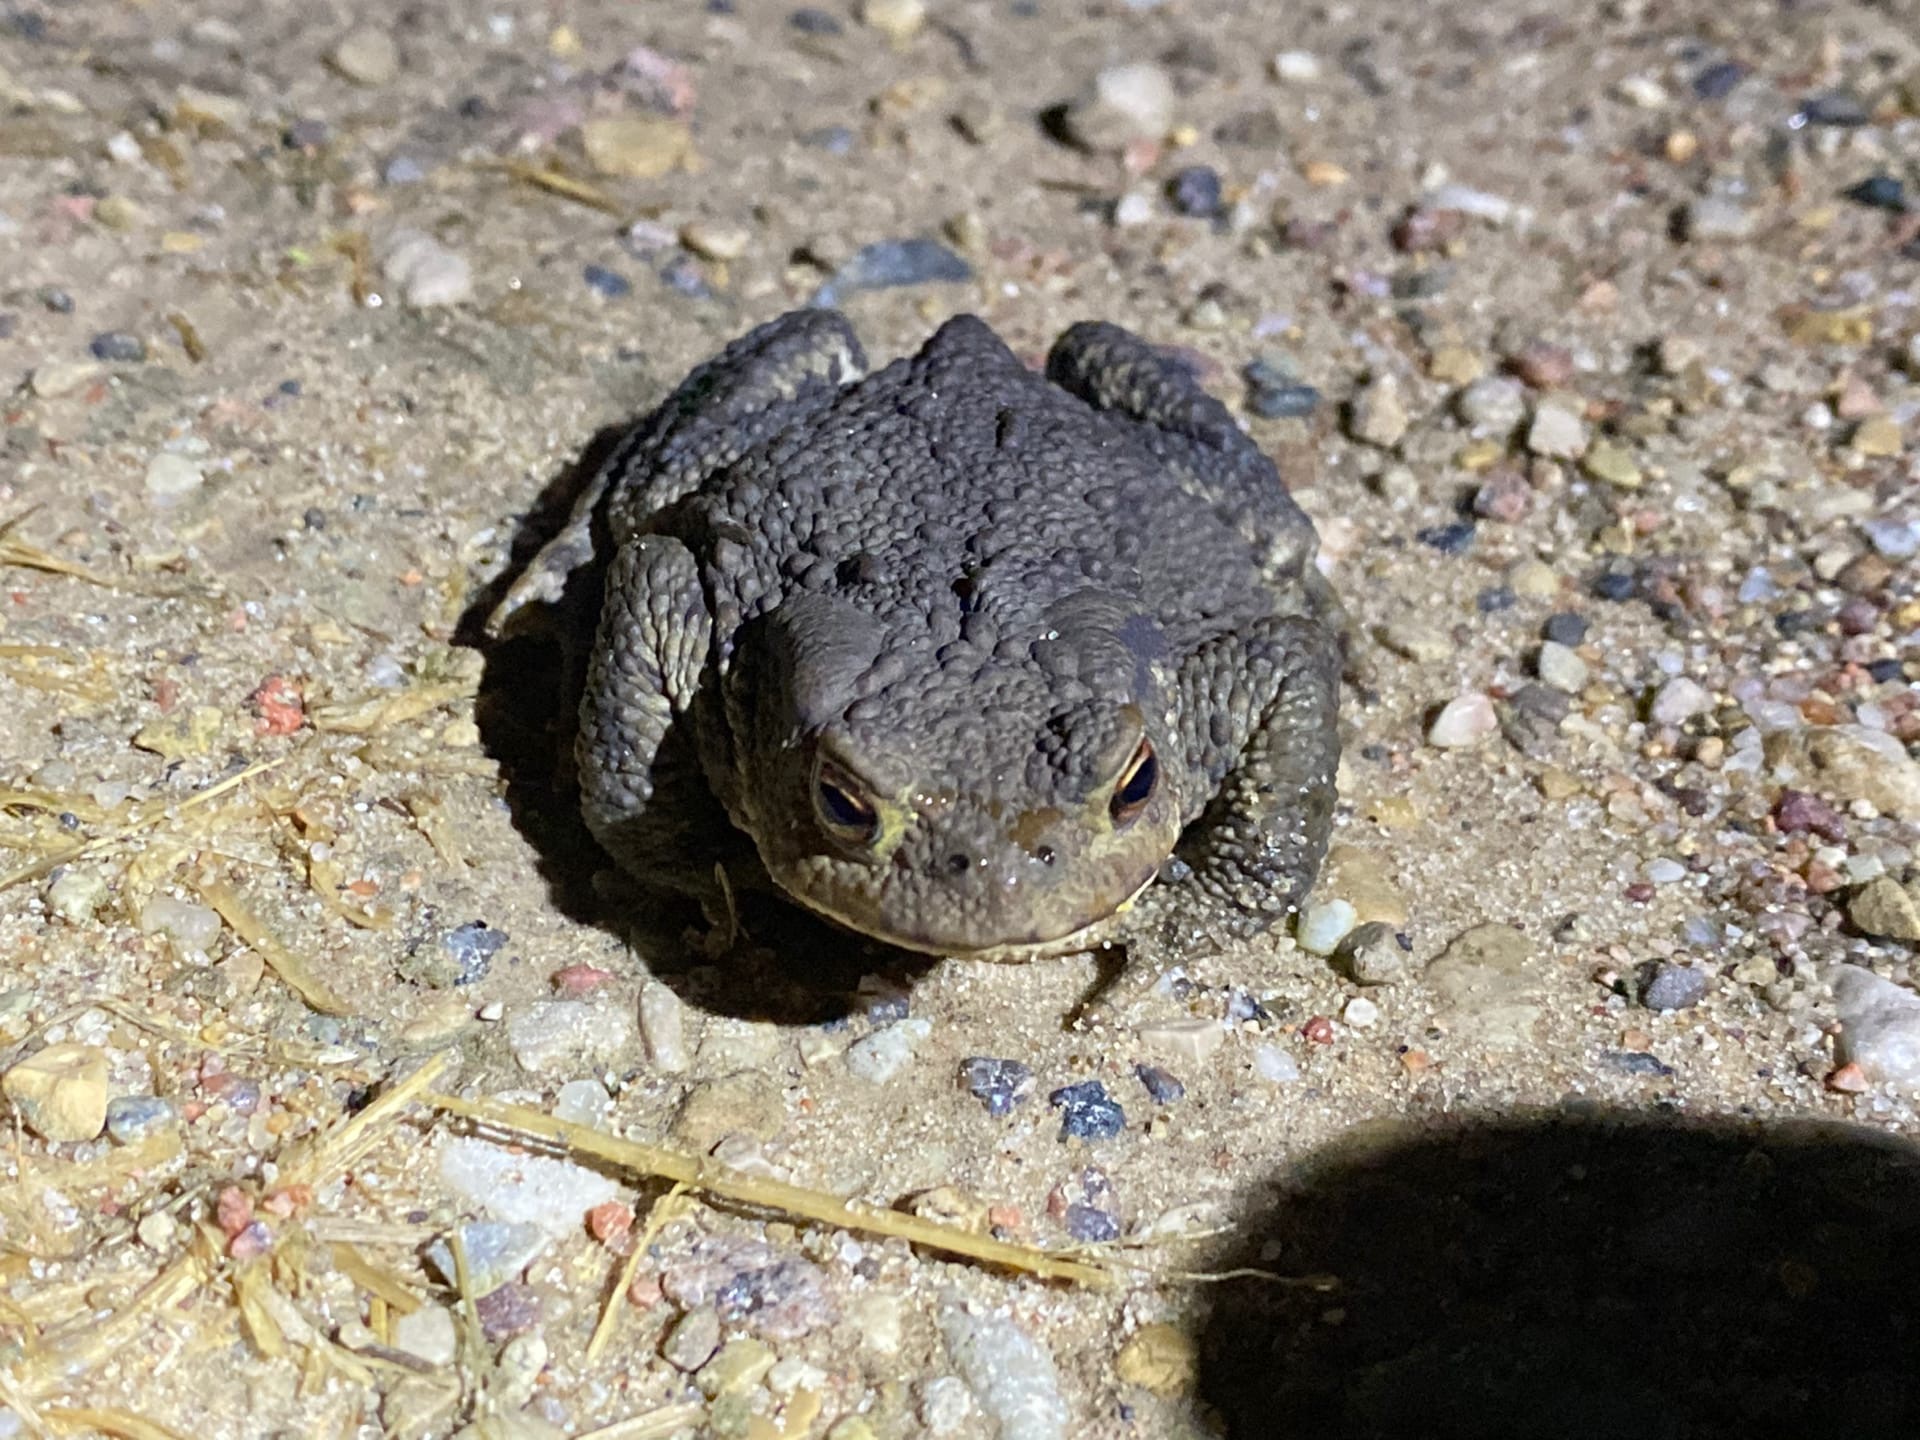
<point>304,311</point>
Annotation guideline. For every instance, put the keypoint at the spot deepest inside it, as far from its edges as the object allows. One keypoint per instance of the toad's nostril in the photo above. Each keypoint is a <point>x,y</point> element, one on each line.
<point>958,863</point>
<point>1044,854</point>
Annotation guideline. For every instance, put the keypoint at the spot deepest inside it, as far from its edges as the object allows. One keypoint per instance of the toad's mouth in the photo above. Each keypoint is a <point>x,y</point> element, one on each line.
<point>1085,932</point>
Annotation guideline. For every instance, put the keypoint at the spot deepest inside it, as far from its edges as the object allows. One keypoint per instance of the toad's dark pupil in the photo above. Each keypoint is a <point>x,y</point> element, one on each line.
<point>1136,787</point>
<point>842,810</point>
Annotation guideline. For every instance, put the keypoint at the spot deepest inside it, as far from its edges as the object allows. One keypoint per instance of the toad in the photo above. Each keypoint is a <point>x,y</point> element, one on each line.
<point>957,655</point>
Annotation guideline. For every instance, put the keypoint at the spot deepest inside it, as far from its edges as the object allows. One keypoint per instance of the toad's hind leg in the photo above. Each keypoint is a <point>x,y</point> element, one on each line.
<point>761,383</point>
<point>1189,432</point>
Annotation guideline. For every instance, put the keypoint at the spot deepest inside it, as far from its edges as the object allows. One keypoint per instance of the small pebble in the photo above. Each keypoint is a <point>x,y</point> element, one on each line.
<point>561,1036</point>
<point>1879,1027</point>
<point>192,928</point>
<point>882,1056</point>
<point>1665,986</point>
<point>715,242</point>
<point>1124,102</point>
<point>1092,1225</point>
<point>403,170</point>
<point>1666,871</point>
<point>1534,580</point>
<point>1377,416</point>
<point>1161,1084</point>
<point>131,1118</point>
<point>693,1340</point>
<point>1087,1112</point>
<point>998,1084</point>
<point>1361,1013</point>
<point>1195,191</point>
<point>60,1092</point>
<point>1324,924</point>
<point>1011,1373</point>
<point>1416,640</point>
<point>1372,954</point>
<point>609,283</point>
<point>582,1102</point>
<point>1557,432</point>
<point>117,345</point>
<point>468,952</point>
<point>367,57</point>
<point>1717,217</point>
<point>1557,665</point>
<point>1453,539</point>
<point>426,272</point>
<point>809,21</point>
<point>1275,1065</point>
<point>1463,721</point>
<point>1678,701</point>
<point>1611,465</point>
<point>888,263</point>
<point>1886,910</point>
<point>1566,628</point>
<point>663,1028</point>
<point>1297,66</point>
<point>76,894</point>
<point>1881,192</point>
<point>1717,81</point>
<point>898,20</point>
<point>63,377</point>
<point>172,477</point>
<point>429,1335</point>
<point>1191,1040</point>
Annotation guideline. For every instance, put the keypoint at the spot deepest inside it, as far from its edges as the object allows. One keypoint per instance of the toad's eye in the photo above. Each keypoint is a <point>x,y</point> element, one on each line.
<point>1135,789</point>
<point>843,809</point>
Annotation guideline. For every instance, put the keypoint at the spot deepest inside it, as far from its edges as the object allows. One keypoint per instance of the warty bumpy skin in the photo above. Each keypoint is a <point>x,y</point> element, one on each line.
<point>955,654</point>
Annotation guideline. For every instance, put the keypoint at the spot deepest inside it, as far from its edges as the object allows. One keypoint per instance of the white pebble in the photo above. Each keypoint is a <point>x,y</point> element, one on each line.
<point>1666,872</point>
<point>663,1028</point>
<point>1560,667</point>
<point>529,1189</point>
<point>1296,65</point>
<point>1134,208</point>
<point>76,894</point>
<point>427,272</point>
<point>1324,924</point>
<point>172,477</point>
<point>582,1102</point>
<point>1361,1013</point>
<point>1011,1373</point>
<point>1679,700</point>
<point>881,1056</point>
<point>1463,721</point>
<point>192,928</point>
<point>1275,1065</point>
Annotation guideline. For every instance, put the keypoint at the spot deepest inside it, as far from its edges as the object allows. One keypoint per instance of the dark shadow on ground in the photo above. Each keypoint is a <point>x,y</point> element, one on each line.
<point>1604,1275</point>
<point>783,965</point>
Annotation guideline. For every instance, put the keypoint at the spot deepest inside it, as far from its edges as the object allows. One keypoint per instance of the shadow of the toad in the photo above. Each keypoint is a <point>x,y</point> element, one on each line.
<point>1581,1275</point>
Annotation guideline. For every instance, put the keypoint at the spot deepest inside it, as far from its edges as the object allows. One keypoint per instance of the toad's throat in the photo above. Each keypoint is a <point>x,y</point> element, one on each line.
<point>1084,933</point>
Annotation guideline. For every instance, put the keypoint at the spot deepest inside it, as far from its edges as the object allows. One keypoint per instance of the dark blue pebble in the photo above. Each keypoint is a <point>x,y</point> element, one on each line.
<point>1636,1062</point>
<point>1566,628</point>
<point>1882,192</point>
<point>117,345</point>
<point>1242,1007</point>
<point>58,301</point>
<point>1087,1112</point>
<point>1094,1226</point>
<point>998,1084</point>
<point>307,135</point>
<point>1716,82</point>
<point>1615,585</point>
<point>1883,671</point>
<point>1835,108</point>
<point>809,21</point>
<point>1161,1084</point>
<point>1447,539</point>
<point>472,946</point>
<point>1195,191</point>
<point>610,283</point>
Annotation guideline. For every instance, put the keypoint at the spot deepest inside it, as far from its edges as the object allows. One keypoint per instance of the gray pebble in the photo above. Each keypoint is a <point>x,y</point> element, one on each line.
<point>131,1118</point>
<point>1372,954</point>
<point>1666,986</point>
